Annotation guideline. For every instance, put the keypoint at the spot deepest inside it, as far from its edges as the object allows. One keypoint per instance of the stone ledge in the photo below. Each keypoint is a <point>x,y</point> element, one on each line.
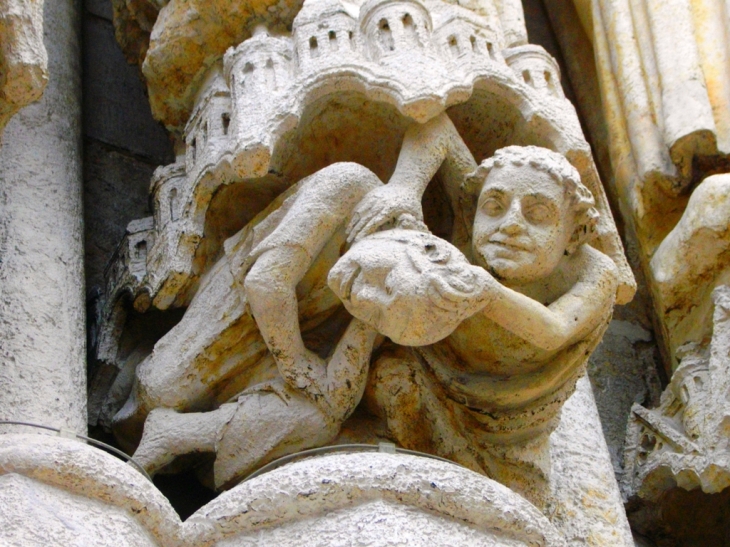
<point>389,499</point>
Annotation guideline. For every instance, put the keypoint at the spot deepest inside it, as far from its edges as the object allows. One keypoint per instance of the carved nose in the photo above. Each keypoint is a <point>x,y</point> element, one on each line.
<point>513,223</point>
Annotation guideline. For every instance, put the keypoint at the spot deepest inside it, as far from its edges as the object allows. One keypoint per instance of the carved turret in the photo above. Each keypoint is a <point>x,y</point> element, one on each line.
<point>466,35</point>
<point>207,131</point>
<point>324,33</point>
<point>395,28</point>
<point>536,67</point>
<point>256,70</point>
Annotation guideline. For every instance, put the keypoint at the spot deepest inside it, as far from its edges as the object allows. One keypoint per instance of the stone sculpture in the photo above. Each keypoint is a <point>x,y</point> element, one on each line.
<point>663,73</point>
<point>489,394</point>
<point>684,441</point>
<point>510,363</point>
<point>451,309</point>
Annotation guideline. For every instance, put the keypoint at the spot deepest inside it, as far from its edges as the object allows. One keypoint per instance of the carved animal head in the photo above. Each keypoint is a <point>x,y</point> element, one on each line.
<point>410,285</point>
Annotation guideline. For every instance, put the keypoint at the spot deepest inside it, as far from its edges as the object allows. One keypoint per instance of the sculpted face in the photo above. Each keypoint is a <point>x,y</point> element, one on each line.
<point>522,225</point>
<point>411,286</point>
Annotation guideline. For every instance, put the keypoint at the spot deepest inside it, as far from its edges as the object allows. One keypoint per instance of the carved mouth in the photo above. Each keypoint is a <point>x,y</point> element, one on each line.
<point>511,244</point>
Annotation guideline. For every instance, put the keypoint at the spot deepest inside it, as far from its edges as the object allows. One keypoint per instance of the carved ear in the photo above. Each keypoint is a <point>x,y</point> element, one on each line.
<point>585,230</point>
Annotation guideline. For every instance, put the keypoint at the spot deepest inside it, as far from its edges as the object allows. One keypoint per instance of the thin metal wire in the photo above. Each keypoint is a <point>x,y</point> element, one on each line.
<point>341,448</point>
<point>94,442</point>
<point>382,447</point>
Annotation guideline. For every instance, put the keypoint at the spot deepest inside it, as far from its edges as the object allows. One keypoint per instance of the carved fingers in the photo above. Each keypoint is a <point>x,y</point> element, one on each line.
<point>381,208</point>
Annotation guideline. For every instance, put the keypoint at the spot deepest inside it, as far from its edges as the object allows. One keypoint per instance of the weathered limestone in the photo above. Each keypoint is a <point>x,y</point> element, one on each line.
<point>58,491</point>
<point>385,499</point>
<point>685,441</point>
<point>493,283</point>
<point>585,503</point>
<point>42,377</point>
<point>663,70</point>
<point>72,493</point>
<point>23,57</point>
<point>164,36</point>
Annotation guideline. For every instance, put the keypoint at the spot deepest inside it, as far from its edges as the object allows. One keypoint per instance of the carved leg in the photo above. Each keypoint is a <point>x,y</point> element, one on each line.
<point>270,421</point>
<point>169,434</point>
<point>320,207</point>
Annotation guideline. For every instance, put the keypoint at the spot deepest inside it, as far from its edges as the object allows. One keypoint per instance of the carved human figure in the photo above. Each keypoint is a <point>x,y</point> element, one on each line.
<point>488,395</point>
<point>286,253</point>
<point>497,344</point>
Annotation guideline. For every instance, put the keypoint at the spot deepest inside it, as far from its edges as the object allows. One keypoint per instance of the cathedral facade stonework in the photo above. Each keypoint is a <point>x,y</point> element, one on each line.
<point>379,272</point>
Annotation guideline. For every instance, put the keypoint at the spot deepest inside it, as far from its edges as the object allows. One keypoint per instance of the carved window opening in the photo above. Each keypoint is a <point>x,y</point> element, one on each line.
<point>549,81</point>
<point>193,146</point>
<point>270,74</point>
<point>247,69</point>
<point>351,37</point>
<point>172,201</point>
<point>409,30</point>
<point>225,122</point>
<point>140,250</point>
<point>490,49</point>
<point>526,76</point>
<point>473,42</point>
<point>453,46</point>
<point>333,40</point>
<point>204,134</point>
<point>313,47</point>
<point>385,35</point>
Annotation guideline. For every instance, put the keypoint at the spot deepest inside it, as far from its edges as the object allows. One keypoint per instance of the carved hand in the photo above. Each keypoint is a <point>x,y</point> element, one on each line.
<point>465,291</point>
<point>381,207</point>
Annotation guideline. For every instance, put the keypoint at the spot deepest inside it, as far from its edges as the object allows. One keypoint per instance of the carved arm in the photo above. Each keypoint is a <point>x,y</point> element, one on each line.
<point>569,318</point>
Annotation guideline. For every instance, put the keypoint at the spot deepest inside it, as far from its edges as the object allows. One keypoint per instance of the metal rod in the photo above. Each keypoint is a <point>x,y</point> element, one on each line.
<point>339,448</point>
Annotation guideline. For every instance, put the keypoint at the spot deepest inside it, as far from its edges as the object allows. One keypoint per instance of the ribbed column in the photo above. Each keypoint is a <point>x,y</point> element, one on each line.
<point>42,332</point>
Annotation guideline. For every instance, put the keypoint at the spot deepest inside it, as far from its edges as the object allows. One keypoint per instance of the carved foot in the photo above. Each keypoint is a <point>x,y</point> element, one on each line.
<point>160,441</point>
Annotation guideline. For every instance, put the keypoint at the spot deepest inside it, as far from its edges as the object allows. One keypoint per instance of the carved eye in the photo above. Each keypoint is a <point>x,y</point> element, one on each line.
<point>492,207</point>
<point>439,256</point>
<point>538,213</point>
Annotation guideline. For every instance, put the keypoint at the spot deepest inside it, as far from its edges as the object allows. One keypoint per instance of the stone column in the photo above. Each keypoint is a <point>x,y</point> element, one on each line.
<point>42,323</point>
<point>586,503</point>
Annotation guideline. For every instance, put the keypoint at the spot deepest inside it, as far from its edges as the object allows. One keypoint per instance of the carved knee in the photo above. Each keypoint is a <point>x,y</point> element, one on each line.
<point>347,179</point>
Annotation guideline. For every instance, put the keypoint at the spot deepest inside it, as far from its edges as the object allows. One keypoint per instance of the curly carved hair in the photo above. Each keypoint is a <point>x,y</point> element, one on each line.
<point>557,166</point>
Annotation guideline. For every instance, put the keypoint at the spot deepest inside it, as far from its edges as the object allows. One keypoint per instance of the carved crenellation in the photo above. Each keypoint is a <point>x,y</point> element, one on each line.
<point>322,33</point>
<point>686,440</point>
<point>536,67</point>
<point>468,39</point>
